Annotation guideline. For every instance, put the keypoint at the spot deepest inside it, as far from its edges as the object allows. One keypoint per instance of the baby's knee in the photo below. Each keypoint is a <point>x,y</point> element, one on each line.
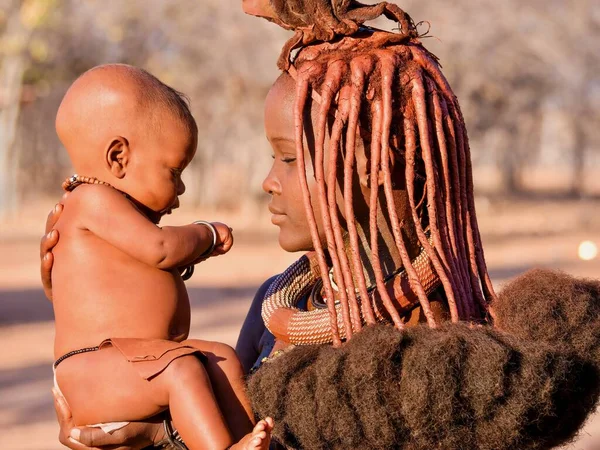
<point>214,351</point>
<point>186,369</point>
<point>224,351</point>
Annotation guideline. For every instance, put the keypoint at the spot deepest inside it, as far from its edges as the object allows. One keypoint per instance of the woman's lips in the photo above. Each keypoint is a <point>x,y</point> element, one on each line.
<point>278,219</point>
<point>278,216</point>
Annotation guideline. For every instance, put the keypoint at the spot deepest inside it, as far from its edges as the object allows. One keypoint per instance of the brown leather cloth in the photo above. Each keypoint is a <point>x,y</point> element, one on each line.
<point>151,356</point>
<point>439,308</point>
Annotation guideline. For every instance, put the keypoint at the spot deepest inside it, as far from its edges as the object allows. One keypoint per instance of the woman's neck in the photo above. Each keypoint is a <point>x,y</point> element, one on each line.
<point>388,254</point>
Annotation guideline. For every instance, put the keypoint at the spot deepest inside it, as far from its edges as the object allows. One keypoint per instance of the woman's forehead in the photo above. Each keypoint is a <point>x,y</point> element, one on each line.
<point>279,108</point>
<point>283,91</point>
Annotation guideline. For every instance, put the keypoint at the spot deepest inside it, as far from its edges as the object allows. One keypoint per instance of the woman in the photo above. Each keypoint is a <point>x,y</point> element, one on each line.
<point>371,176</point>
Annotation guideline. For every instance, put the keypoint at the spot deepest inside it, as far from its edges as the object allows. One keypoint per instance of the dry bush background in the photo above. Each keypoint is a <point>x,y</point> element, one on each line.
<point>526,74</point>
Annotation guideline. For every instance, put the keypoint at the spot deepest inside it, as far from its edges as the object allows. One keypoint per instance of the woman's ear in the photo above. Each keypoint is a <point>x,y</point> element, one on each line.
<point>363,164</point>
<point>117,156</point>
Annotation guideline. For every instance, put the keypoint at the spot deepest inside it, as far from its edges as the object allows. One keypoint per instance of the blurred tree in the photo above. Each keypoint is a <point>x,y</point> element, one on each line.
<point>512,64</point>
<point>21,18</point>
<point>509,60</point>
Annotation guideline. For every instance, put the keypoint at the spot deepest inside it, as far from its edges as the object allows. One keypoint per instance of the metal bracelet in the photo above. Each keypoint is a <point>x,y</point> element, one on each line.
<point>215,235</point>
<point>172,440</point>
<point>189,270</point>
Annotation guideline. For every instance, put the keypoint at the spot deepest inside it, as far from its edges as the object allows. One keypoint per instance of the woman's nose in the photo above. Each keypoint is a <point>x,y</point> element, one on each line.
<point>271,184</point>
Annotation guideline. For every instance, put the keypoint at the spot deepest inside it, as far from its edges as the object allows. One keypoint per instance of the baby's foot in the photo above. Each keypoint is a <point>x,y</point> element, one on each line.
<point>259,439</point>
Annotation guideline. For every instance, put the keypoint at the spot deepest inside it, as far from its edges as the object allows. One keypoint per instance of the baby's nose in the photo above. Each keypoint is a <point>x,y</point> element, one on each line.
<point>181,188</point>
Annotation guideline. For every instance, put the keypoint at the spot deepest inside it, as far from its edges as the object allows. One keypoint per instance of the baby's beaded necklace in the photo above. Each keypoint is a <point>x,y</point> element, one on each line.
<point>75,180</point>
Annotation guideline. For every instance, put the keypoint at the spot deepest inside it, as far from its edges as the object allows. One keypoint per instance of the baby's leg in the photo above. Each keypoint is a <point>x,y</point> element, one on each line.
<point>194,408</point>
<point>227,379</point>
<point>102,386</point>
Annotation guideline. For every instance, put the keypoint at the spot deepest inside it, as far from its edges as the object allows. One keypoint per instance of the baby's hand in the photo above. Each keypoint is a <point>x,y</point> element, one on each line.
<point>223,243</point>
<point>224,239</point>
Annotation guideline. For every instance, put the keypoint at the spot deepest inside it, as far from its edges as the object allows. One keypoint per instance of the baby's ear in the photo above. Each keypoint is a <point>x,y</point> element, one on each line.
<point>117,156</point>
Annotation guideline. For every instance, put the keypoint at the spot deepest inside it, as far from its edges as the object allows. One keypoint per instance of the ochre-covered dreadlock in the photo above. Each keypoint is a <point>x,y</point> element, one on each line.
<point>324,20</point>
<point>387,84</point>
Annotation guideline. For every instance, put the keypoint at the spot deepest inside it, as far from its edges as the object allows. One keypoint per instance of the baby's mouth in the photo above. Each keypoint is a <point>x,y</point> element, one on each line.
<point>170,209</point>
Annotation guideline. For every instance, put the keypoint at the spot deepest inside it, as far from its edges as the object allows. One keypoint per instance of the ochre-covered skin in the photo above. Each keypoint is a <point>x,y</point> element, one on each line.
<point>108,237</point>
<point>116,273</point>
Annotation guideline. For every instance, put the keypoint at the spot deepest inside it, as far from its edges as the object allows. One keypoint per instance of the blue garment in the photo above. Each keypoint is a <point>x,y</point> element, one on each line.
<point>255,341</point>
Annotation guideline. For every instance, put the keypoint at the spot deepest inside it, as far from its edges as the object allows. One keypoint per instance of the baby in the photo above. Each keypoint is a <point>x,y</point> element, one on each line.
<point>121,307</point>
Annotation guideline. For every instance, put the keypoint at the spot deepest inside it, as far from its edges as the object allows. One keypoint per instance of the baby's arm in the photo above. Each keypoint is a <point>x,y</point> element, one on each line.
<point>106,213</point>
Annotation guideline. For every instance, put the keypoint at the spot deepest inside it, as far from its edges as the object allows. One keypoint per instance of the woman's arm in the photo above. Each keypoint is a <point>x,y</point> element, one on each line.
<point>248,343</point>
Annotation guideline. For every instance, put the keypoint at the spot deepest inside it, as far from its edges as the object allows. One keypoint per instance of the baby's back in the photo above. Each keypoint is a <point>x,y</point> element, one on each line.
<point>100,291</point>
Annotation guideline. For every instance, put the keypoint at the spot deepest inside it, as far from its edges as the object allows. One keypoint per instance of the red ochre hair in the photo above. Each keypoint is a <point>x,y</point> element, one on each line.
<point>414,116</point>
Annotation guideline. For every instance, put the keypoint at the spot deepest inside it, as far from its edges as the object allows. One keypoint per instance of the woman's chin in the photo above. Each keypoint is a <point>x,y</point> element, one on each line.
<point>292,244</point>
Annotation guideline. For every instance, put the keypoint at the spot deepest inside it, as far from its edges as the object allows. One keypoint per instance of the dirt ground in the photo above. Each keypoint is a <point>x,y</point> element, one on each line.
<point>517,236</point>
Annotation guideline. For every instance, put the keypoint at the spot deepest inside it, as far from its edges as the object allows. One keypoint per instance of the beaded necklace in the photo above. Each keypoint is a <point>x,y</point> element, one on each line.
<point>76,180</point>
<point>313,327</point>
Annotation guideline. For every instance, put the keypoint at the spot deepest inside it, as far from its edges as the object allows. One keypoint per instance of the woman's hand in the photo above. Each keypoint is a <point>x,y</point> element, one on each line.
<point>134,436</point>
<point>48,242</point>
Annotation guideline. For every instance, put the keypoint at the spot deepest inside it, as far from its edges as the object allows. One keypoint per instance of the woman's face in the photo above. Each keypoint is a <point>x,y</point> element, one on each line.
<point>282,182</point>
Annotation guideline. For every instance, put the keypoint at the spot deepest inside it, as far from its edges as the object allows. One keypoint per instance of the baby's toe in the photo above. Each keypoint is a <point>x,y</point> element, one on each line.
<point>260,426</point>
<point>256,443</point>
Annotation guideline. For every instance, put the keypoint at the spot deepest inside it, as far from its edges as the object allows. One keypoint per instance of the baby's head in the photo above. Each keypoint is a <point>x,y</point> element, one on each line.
<point>125,127</point>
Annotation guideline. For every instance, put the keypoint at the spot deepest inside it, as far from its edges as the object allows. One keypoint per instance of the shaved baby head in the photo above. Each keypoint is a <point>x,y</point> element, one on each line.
<point>117,100</point>
<point>123,127</point>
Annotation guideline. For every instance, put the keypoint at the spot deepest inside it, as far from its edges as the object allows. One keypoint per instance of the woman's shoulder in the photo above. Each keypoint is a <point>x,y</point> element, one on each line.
<point>260,295</point>
<point>262,290</point>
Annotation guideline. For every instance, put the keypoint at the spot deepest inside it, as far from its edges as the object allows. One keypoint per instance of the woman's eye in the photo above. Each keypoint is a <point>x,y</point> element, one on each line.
<point>176,172</point>
<point>288,159</point>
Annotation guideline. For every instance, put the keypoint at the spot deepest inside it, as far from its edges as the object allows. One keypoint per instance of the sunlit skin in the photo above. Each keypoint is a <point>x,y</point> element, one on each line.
<point>282,182</point>
<point>116,273</point>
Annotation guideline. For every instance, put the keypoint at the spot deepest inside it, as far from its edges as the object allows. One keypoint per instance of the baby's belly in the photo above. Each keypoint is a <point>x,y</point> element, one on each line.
<point>101,293</point>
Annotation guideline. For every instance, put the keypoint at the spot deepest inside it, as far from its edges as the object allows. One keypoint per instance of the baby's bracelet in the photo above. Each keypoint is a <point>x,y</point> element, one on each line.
<point>189,270</point>
<point>172,440</point>
<point>213,230</point>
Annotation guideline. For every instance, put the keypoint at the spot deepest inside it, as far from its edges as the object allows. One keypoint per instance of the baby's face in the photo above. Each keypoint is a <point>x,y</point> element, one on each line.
<point>155,172</point>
